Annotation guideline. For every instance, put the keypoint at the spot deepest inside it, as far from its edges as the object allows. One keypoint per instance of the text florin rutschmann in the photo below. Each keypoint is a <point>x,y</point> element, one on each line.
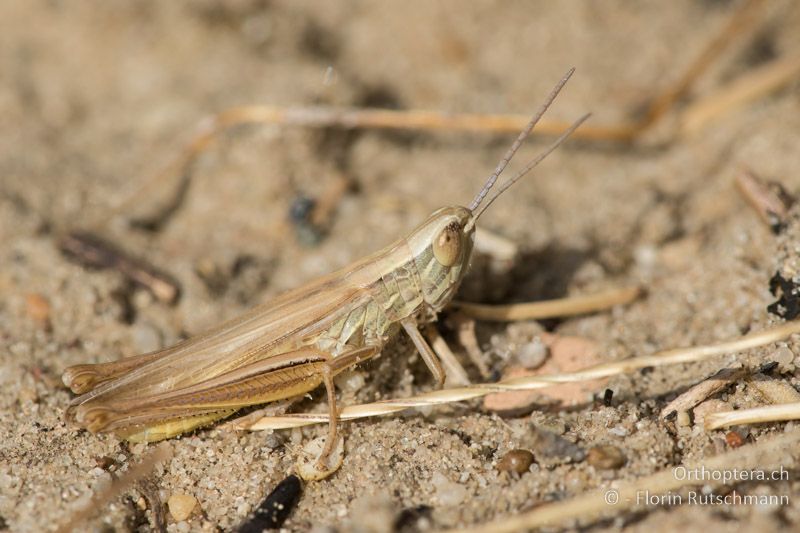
<point>732,475</point>
<point>725,476</point>
<point>706,496</point>
<point>644,497</point>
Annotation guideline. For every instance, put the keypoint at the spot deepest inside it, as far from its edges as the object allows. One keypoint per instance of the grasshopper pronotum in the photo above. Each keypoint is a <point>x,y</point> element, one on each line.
<point>299,340</point>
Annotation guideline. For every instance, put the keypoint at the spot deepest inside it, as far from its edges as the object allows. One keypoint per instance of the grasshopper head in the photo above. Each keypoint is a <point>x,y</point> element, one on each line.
<point>442,246</point>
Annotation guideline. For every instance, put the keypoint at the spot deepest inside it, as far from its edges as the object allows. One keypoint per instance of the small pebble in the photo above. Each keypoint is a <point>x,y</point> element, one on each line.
<point>181,506</point>
<point>619,431</point>
<point>575,480</point>
<point>146,338</point>
<point>243,509</point>
<point>645,256</point>
<point>7,481</point>
<point>301,209</point>
<point>273,441</point>
<point>142,299</point>
<point>448,492</point>
<point>103,482</point>
<point>606,457</point>
<point>683,419</point>
<point>27,394</point>
<point>105,462</point>
<point>350,381</point>
<point>38,309</point>
<point>784,357</point>
<point>518,461</point>
<point>373,512</point>
<point>551,449</point>
<point>533,354</point>
<point>733,439</point>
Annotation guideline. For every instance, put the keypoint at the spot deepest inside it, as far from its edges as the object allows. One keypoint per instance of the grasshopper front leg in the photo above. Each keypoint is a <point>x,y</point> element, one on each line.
<point>428,355</point>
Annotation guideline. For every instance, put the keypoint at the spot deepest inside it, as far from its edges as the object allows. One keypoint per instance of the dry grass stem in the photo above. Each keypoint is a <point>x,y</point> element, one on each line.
<point>769,200</point>
<point>574,305</point>
<point>699,392</point>
<point>757,415</point>
<point>669,357</point>
<point>753,84</point>
<point>465,330</point>
<point>456,374</point>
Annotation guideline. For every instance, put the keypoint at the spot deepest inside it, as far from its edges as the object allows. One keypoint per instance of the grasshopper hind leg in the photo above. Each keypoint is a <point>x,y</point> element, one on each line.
<point>333,414</point>
<point>329,370</point>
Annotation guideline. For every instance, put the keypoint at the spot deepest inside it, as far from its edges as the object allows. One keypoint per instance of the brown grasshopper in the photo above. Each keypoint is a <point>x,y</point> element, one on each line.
<point>299,340</point>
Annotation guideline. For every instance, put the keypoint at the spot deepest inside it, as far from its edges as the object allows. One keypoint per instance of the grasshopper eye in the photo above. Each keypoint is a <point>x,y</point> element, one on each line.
<point>447,245</point>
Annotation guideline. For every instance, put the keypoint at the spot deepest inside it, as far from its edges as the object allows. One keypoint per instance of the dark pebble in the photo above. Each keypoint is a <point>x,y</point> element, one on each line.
<point>518,461</point>
<point>606,457</point>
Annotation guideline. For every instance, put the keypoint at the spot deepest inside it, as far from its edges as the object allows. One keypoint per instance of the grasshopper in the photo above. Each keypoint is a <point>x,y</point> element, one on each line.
<point>301,339</point>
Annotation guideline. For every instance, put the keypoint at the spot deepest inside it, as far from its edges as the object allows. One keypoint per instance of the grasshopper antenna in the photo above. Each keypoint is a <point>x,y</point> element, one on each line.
<point>522,136</point>
<point>530,166</point>
<point>476,202</point>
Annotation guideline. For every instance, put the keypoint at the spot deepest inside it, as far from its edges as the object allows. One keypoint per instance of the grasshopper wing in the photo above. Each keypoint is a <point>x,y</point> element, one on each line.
<point>269,338</point>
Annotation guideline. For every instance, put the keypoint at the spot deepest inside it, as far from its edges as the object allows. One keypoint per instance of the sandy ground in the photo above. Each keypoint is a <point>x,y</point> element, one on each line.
<point>96,96</point>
